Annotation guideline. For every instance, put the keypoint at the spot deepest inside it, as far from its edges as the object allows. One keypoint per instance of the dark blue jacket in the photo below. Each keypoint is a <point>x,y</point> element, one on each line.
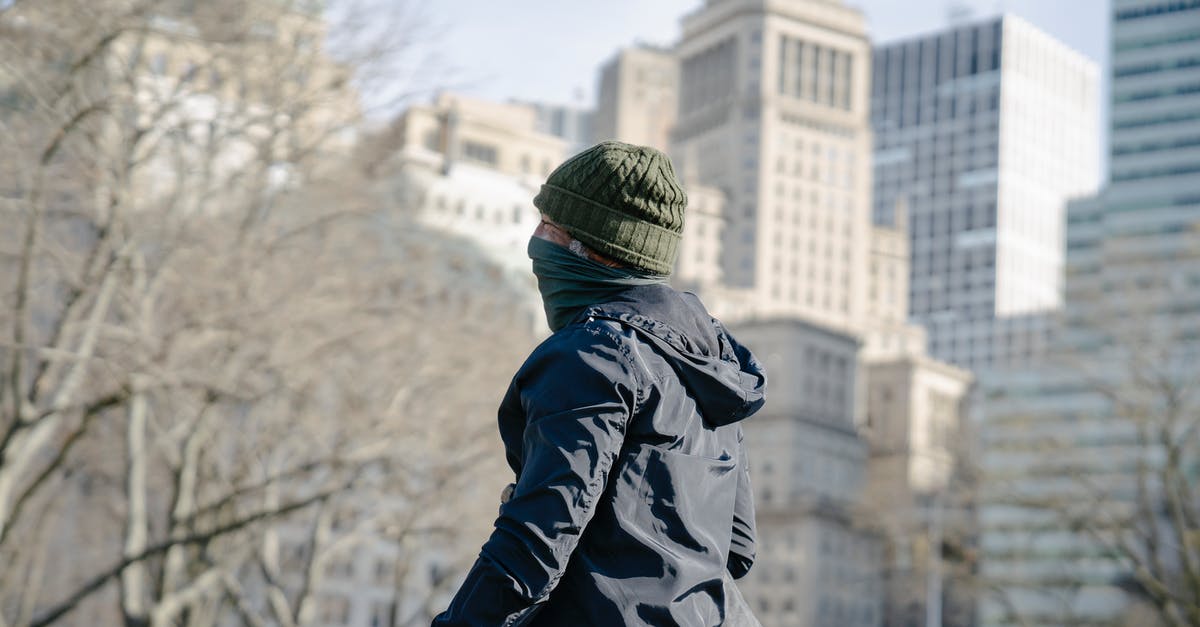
<point>632,494</point>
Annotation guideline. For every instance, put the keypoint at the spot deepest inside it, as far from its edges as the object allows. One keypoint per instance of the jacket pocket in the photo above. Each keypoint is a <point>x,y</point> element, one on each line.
<point>681,499</point>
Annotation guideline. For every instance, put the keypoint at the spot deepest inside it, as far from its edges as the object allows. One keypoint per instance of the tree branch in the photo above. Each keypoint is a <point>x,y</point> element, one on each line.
<point>97,582</point>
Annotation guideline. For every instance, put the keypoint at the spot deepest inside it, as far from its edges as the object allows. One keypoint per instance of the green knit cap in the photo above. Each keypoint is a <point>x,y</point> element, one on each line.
<point>620,200</point>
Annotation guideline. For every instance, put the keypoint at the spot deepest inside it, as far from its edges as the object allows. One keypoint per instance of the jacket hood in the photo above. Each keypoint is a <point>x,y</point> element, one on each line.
<point>723,377</point>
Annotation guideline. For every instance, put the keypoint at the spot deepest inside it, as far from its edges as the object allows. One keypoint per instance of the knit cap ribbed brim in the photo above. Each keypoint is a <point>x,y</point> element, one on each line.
<point>621,200</point>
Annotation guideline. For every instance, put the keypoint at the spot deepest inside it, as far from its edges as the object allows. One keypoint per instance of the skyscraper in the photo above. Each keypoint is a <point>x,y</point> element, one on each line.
<point>1141,235</point>
<point>567,122</point>
<point>1081,458</point>
<point>637,94</point>
<point>984,130</point>
<point>773,112</point>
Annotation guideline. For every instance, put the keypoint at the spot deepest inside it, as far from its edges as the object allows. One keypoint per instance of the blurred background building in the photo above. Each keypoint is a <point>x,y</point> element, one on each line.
<point>917,495</point>
<point>637,97</point>
<point>1082,457</point>
<point>472,168</point>
<point>773,110</point>
<point>699,265</point>
<point>570,123</point>
<point>887,332</point>
<point>847,206</point>
<point>818,563</point>
<point>984,130</point>
<point>906,235</point>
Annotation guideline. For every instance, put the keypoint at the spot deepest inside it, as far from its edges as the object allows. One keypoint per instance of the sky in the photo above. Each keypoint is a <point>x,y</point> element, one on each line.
<point>550,51</point>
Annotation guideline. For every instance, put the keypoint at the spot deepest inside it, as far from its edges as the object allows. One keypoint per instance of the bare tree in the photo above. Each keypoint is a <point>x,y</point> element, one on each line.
<point>1126,480</point>
<point>929,532</point>
<point>218,352</point>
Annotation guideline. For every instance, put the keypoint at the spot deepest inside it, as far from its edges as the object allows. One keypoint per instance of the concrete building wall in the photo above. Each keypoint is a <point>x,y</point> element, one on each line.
<point>792,155</point>
<point>914,413</point>
<point>887,334</point>
<point>637,97</point>
<point>472,168</point>
<point>500,137</point>
<point>817,369</point>
<point>914,426</point>
<point>699,265</point>
<point>887,274</point>
<point>817,563</point>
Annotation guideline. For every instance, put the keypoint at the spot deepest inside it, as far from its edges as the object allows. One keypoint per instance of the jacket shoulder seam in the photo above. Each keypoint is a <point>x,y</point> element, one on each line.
<point>622,344</point>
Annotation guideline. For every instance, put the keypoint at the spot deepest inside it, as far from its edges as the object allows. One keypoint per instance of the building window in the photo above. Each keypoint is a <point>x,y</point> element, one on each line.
<point>847,81</point>
<point>433,141</point>
<point>341,568</point>
<point>383,571</point>
<point>1161,8</point>
<point>335,610</point>
<point>158,64</point>
<point>381,614</point>
<point>483,153</point>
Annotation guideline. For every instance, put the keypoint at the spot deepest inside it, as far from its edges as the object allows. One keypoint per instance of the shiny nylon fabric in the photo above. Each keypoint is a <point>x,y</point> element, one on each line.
<point>632,494</point>
<point>569,283</point>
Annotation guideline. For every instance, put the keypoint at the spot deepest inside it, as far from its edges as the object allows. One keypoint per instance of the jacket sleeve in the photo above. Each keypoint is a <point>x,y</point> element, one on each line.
<point>742,546</point>
<point>577,393</point>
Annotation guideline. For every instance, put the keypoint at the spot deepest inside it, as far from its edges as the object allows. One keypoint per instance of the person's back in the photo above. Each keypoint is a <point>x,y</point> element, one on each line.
<point>632,499</point>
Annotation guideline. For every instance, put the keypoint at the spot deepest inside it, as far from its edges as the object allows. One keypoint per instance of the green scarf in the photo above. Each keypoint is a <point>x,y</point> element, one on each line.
<point>570,283</point>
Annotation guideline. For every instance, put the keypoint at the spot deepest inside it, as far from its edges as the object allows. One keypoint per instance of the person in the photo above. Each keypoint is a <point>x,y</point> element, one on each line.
<point>632,501</point>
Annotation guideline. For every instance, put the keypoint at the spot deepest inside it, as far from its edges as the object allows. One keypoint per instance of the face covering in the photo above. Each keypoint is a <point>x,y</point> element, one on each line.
<point>570,283</point>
